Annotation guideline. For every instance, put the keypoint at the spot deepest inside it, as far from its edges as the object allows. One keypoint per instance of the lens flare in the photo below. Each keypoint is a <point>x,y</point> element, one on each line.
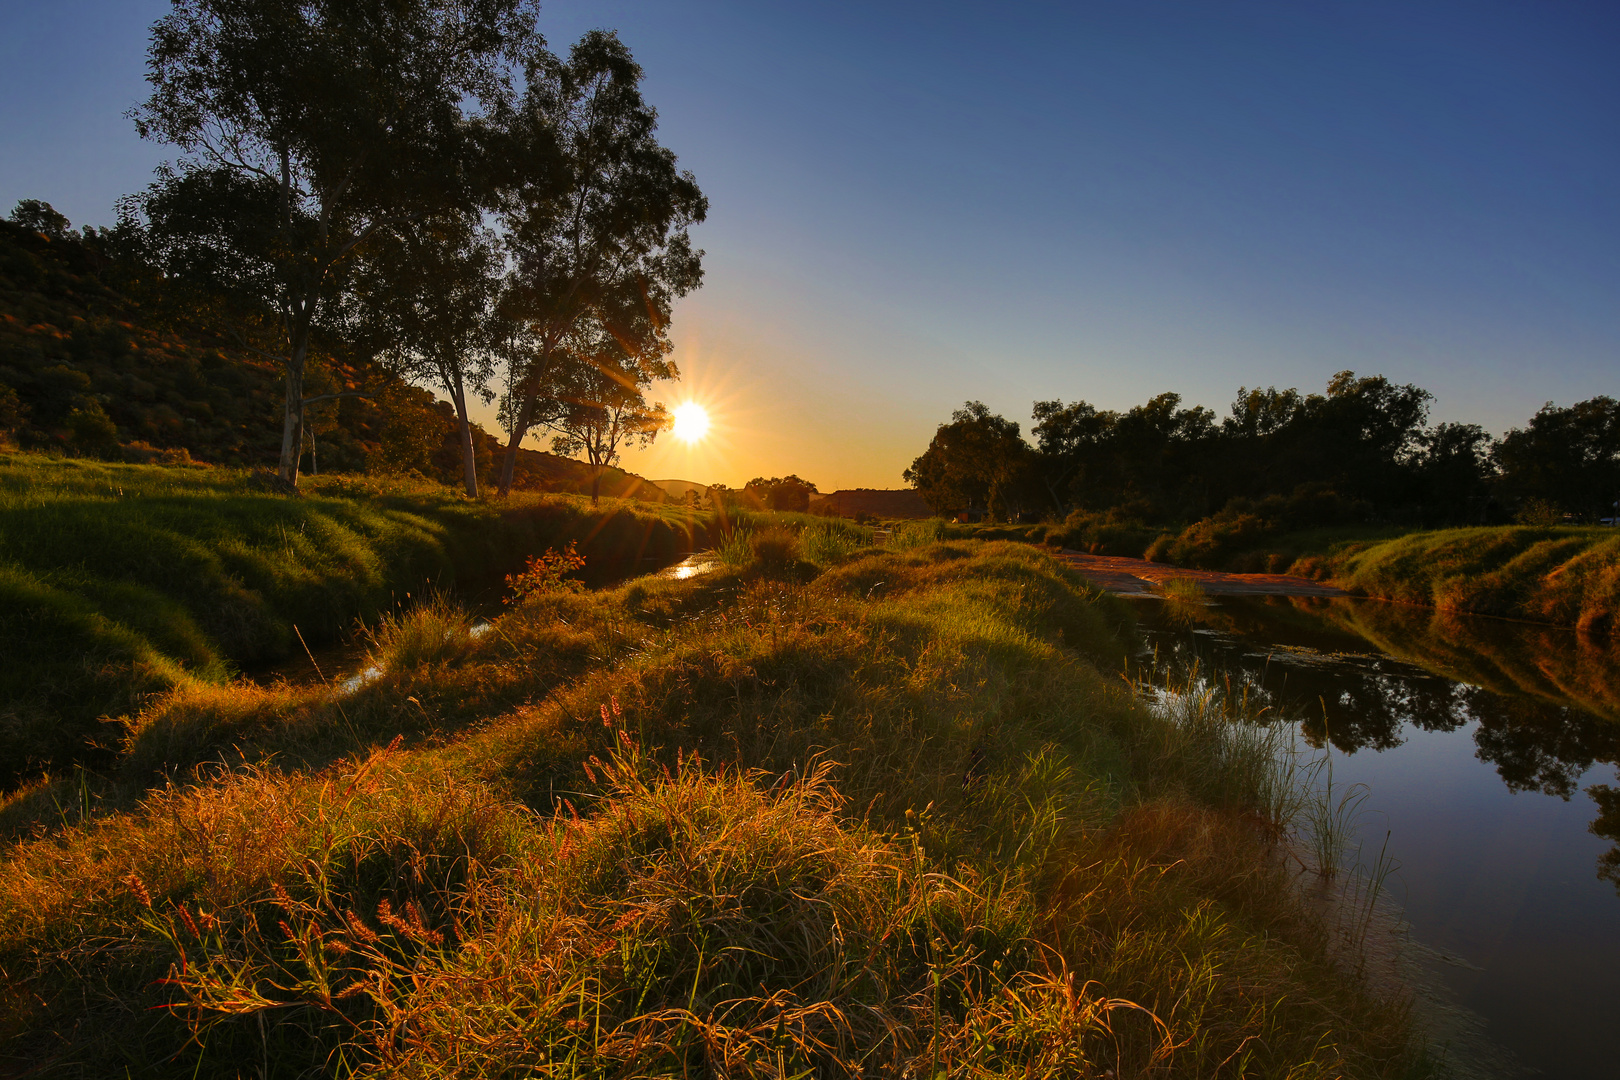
<point>691,422</point>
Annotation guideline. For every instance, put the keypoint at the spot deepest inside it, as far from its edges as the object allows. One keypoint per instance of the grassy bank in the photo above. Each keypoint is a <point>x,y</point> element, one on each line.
<point>1562,575</point>
<point>870,811</point>
<point>119,581</point>
<point>1568,576</point>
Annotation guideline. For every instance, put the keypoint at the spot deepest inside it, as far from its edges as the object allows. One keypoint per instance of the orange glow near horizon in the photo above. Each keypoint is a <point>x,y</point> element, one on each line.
<point>771,410</point>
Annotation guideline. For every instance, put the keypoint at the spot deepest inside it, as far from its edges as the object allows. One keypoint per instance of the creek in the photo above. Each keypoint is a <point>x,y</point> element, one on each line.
<point>1487,749</point>
<point>346,662</point>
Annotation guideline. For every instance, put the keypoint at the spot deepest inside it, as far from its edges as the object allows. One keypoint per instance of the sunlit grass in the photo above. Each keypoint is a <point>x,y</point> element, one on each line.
<point>889,818</point>
<point>119,581</point>
<point>1564,575</point>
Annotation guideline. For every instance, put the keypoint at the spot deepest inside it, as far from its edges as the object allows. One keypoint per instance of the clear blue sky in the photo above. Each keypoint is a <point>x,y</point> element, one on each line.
<point>916,204</point>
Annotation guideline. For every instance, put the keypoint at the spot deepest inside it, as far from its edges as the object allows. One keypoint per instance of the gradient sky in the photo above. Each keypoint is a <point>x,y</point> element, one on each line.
<point>917,204</point>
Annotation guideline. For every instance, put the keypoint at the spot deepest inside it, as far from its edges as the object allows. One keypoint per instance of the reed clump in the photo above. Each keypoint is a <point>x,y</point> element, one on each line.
<point>889,820</point>
<point>1183,589</point>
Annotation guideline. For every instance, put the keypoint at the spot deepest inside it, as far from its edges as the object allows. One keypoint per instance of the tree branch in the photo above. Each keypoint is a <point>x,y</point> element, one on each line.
<point>343,394</point>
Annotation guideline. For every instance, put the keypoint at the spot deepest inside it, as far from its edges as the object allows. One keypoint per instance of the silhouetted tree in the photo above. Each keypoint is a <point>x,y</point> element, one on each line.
<point>41,217</point>
<point>606,242</point>
<point>1567,456</point>
<point>1071,440</point>
<point>606,407</point>
<point>780,492</point>
<point>306,127</point>
<point>1455,471</point>
<point>975,464</point>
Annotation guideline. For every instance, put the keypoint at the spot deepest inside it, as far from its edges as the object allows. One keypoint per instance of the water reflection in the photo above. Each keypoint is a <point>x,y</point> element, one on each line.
<point>691,566</point>
<point>1544,701</point>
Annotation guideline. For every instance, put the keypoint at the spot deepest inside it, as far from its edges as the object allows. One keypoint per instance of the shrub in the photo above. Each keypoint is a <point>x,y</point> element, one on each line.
<point>1541,512</point>
<point>547,572</point>
<point>775,549</point>
<point>1112,532</point>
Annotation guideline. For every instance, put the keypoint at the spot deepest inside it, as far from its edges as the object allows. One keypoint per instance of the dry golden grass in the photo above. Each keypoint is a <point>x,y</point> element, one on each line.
<point>890,822</point>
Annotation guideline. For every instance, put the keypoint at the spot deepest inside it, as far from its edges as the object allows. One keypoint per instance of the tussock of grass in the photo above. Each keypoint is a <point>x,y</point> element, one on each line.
<point>829,543</point>
<point>1187,590</point>
<point>915,534</point>
<point>888,821</point>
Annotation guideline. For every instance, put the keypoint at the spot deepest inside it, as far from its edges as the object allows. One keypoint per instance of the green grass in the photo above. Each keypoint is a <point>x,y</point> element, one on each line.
<point>1563,575</point>
<point>1566,575</point>
<point>888,818</point>
<point>120,581</point>
<point>1186,590</point>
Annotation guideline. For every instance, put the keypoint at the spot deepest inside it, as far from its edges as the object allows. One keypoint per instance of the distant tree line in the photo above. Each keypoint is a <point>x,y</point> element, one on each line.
<point>1360,451</point>
<point>764,493</point>
<point>419,190</point>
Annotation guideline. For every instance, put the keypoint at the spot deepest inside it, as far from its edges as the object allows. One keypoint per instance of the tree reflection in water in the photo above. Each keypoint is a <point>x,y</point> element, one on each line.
<point>1355,672</point>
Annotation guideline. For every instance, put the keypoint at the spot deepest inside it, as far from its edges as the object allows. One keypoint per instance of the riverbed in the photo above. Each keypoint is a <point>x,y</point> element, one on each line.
<point>1488,752</point>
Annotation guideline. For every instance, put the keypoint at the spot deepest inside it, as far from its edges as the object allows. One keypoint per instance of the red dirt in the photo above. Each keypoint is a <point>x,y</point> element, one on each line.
<point>1136,577</point>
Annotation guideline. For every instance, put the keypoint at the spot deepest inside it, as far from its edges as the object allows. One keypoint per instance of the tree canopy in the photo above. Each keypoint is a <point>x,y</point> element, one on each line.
<point>1361,448</point>
<point>305,127</point>
<point>600,248</point>
<point>779,493</point>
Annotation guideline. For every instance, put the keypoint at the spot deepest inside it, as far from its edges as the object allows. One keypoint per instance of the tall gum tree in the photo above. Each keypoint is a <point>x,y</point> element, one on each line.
<point>426,308</point>
<point>307,125</point>
<point>605,407</point>
<point>601,248</point>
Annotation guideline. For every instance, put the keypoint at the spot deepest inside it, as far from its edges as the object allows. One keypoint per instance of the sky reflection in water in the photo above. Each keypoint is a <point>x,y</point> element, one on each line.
<point>1489,750</point>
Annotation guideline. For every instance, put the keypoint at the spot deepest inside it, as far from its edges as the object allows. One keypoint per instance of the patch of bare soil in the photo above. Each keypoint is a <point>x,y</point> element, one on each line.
<point>1138,577</point>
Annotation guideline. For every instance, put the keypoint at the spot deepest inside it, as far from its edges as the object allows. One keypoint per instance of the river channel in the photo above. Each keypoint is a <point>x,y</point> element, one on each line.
<point>1488,752</point>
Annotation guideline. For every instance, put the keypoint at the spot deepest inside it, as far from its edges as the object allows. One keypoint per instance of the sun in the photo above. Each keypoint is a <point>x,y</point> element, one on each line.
<point>691,422</point>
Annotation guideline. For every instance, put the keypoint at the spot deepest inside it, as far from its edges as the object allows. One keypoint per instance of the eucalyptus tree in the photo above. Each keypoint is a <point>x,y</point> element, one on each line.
<point>426,308</point>
<point>1569,457</point>
<point>974,464</point>
<point>599,249</point>
<point>306,126</point>
<point>603,393</point>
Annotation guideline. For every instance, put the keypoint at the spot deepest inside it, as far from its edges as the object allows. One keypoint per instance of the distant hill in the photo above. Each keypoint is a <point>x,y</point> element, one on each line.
<point>876,502</point>
<point>537,470</point>
<point>677,490</point>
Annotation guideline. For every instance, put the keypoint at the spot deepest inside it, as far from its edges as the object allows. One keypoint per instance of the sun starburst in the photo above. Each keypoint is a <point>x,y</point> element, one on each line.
<point>691,422</point>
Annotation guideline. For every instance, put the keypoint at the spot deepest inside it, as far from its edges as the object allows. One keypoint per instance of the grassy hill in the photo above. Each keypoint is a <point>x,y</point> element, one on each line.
<point>1565,575</point>
<point>98,361</point>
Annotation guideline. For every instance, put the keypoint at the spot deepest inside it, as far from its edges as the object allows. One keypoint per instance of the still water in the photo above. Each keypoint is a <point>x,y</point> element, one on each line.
<point>1488,749</point>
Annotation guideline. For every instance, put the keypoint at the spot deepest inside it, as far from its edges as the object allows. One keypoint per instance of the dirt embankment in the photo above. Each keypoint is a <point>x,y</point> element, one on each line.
<point>1138,577</point>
